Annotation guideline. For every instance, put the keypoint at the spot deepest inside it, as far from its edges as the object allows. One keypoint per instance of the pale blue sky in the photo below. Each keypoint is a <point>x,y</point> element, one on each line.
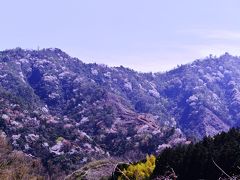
<point>146,35</point>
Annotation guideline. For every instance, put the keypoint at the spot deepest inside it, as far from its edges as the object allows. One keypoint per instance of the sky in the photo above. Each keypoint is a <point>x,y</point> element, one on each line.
<point>145,35</point>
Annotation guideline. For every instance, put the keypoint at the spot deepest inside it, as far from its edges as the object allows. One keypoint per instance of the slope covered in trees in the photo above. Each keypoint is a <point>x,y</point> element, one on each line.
<point>212,158</point>
<point>207,159</point>
<point>17,165</point>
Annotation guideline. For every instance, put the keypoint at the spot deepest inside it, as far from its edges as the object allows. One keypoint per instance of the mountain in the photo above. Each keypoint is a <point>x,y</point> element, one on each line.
<point>68,113</point>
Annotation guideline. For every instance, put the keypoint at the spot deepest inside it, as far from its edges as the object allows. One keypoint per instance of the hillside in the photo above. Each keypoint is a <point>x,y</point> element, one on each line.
<point>211,158</point>
<point>214,157</point>
<point>68,113</point>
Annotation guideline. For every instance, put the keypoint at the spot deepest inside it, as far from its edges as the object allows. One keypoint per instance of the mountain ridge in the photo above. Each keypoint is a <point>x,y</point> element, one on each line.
<point>68,113</point>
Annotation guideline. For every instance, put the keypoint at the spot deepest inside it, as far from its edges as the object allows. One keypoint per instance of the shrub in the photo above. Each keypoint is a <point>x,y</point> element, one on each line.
<point>139,171</point>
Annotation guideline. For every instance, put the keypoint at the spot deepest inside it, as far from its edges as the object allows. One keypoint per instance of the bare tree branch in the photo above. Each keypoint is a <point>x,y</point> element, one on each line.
<point>222,170</point>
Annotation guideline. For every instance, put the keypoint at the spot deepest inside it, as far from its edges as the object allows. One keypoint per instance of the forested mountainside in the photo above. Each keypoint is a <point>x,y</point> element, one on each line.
<point>67,113</point>
<point>212,158</point>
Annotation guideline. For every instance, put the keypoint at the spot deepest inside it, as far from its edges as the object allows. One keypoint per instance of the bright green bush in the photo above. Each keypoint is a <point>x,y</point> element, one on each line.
<point>139,171</point>
<point>59,139</point>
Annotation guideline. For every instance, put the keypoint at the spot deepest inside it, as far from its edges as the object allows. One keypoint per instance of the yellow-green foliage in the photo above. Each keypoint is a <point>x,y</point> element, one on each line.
<point>59,139</point>
<point>139,171</point>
